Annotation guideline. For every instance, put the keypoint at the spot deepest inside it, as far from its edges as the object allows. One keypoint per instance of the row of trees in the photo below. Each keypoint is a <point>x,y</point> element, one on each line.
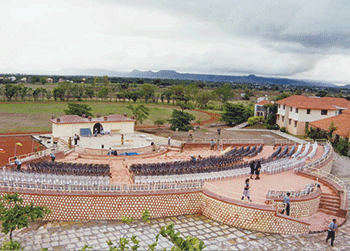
<point>177,94</point>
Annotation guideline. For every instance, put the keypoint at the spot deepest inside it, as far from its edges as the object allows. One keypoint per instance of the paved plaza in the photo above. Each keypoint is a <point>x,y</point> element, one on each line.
<point>217,236</point>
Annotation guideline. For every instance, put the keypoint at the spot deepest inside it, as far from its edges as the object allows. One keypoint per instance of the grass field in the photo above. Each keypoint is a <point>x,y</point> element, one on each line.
<point>35,116</point>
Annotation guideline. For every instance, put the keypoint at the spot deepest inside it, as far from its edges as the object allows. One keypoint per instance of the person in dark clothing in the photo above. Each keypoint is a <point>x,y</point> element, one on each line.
<point>286,203</point>
<point>257,170</point>
<point>252,169</point>
<point>53,157</point>
<point>331,231</point>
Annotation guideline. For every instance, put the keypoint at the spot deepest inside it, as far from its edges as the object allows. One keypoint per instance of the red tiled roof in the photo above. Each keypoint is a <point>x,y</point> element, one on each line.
<point>73,119</point>
<point>314,103</point>
<point>265,102</point>
<point>342,122</point>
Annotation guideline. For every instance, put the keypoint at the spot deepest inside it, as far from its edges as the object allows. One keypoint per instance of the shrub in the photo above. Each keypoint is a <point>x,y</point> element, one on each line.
<point>254,120</point>
<point>283,129</point>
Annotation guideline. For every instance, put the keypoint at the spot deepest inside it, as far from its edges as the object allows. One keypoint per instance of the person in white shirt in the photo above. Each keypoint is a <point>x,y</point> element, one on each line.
<point>18,164</point>
<point>331,231</point>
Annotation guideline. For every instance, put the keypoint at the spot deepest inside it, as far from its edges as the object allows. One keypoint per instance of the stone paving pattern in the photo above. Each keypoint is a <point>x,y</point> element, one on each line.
<point>217,236</point>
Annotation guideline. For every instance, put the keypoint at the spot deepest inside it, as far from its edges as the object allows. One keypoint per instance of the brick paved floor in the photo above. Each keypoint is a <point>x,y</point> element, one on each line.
<point>217,236</point>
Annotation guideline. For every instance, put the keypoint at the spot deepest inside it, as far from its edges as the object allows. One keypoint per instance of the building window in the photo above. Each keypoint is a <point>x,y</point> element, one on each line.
<point>295,123</point>
<point>296,110</point>
<point>308,111</point>
<point>290,121</point>
<point>291,109</point>
<point>279,106</point>
<point>282,118</point>
<point>284,107</point>
<point>324,112</point>
<point>340,111</point>
<point>278,117</point>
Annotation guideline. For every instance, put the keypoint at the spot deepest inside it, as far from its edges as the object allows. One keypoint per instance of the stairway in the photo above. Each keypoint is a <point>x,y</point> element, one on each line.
<point>329,204</point>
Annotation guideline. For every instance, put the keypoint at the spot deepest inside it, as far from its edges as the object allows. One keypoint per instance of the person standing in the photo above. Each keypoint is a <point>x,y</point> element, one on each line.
<point>18,164</point>
<point>246,192</point>
<point>212,144</point>
<point>53,157</point>
<point>331,231</point>
<point>75,139</point>
<point>70,142</point>
<point>286,203</point>
<point>252,169</point>
<point>257,170</point>
<point>169,138</point>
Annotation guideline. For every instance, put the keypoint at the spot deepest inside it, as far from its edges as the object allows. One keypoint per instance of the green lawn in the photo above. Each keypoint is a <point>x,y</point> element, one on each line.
<point>35,116</point>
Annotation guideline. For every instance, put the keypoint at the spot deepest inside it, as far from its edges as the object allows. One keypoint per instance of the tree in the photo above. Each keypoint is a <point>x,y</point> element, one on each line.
<point>105,80</point>
<point>103,93</point>
<point>43,80</point>
<point>140,112</point>
<point>159,122</point>
<point>342,146</point>
<point>10,91</point>
<point>59,92</point>
<point>224,93</point>
<point>78,109</point>
<point>203,98</point>
<point>89,92</point>
<point>14,215</point>
<point>181,120</point>
<point>24,92</point>
<point>236,113</point>
<point>148,91</point>
<point>133,95</point>
<point>282,96</point>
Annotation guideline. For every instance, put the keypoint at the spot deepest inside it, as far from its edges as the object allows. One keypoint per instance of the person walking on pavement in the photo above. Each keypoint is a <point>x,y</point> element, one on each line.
<point>286,203</point>
<point>252,169</point>
<point>331,231</point>
<point>169,138</point>
<point>246,192</point>
<point>18,164</point>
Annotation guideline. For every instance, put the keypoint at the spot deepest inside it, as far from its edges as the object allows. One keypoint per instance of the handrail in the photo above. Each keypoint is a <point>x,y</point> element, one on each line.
<point>110,189</point>
<point>293,193</point>
<point>42,153</point>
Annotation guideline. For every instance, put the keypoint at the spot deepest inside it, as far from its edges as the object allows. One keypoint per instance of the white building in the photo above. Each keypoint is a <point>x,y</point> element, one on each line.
<point>69,125</point>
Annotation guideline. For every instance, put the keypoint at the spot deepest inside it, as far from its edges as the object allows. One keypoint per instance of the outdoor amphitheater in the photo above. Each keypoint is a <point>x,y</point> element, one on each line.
<point>186,177</point>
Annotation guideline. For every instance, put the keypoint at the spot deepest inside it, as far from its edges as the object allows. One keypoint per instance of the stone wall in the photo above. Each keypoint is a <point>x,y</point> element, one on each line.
<point>259,218</point>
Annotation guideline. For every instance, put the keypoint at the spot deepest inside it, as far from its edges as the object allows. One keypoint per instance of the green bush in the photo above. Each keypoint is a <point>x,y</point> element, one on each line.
<point>342,147</point>
<point>283,129</point>
<point>254,120</point>
<point>11,245</point>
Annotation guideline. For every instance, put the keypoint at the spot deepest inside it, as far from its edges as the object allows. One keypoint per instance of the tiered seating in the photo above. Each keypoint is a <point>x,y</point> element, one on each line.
<point>274,154</point>
<point>238,170</point>
<point>62,168</point>
<point>291,152</point>
<point>52,179</point>
<point>281,165</point>
<point>256,152</point>
<point>282,153</point>
<point>306,150</point>
<point>313,152</point>
<point>209,164</point>
<point>298,151</point>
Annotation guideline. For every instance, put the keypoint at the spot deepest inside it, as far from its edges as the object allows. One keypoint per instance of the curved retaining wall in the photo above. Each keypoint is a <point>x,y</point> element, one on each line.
<point>113,207</point>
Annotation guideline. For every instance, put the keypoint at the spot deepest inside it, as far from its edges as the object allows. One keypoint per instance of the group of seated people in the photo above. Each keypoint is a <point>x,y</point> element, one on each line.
<point>63,168</point>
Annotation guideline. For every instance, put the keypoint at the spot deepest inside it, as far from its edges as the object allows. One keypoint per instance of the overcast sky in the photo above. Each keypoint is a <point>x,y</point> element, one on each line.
<point>295,39</point>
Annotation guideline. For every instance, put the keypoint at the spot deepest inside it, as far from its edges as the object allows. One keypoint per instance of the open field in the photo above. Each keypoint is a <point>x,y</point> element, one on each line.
<point>35,116</point>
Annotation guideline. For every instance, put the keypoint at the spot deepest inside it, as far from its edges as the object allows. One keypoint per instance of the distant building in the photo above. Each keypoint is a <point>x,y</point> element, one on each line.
<point>259,109</point>
<point>49,80</point>
<point>23,80</point>
<point>69,125</point>
<point>295,113</point>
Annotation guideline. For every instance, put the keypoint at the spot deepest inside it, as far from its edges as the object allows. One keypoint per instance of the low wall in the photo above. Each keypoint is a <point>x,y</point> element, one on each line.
<point>258,218</point>
<point>301,206</point>
<point>113,207</point>
<point>145,149</point>
<point>122,157</point>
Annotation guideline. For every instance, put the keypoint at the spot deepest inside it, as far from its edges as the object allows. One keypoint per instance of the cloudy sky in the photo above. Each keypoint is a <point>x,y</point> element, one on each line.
<point>295,39</point>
